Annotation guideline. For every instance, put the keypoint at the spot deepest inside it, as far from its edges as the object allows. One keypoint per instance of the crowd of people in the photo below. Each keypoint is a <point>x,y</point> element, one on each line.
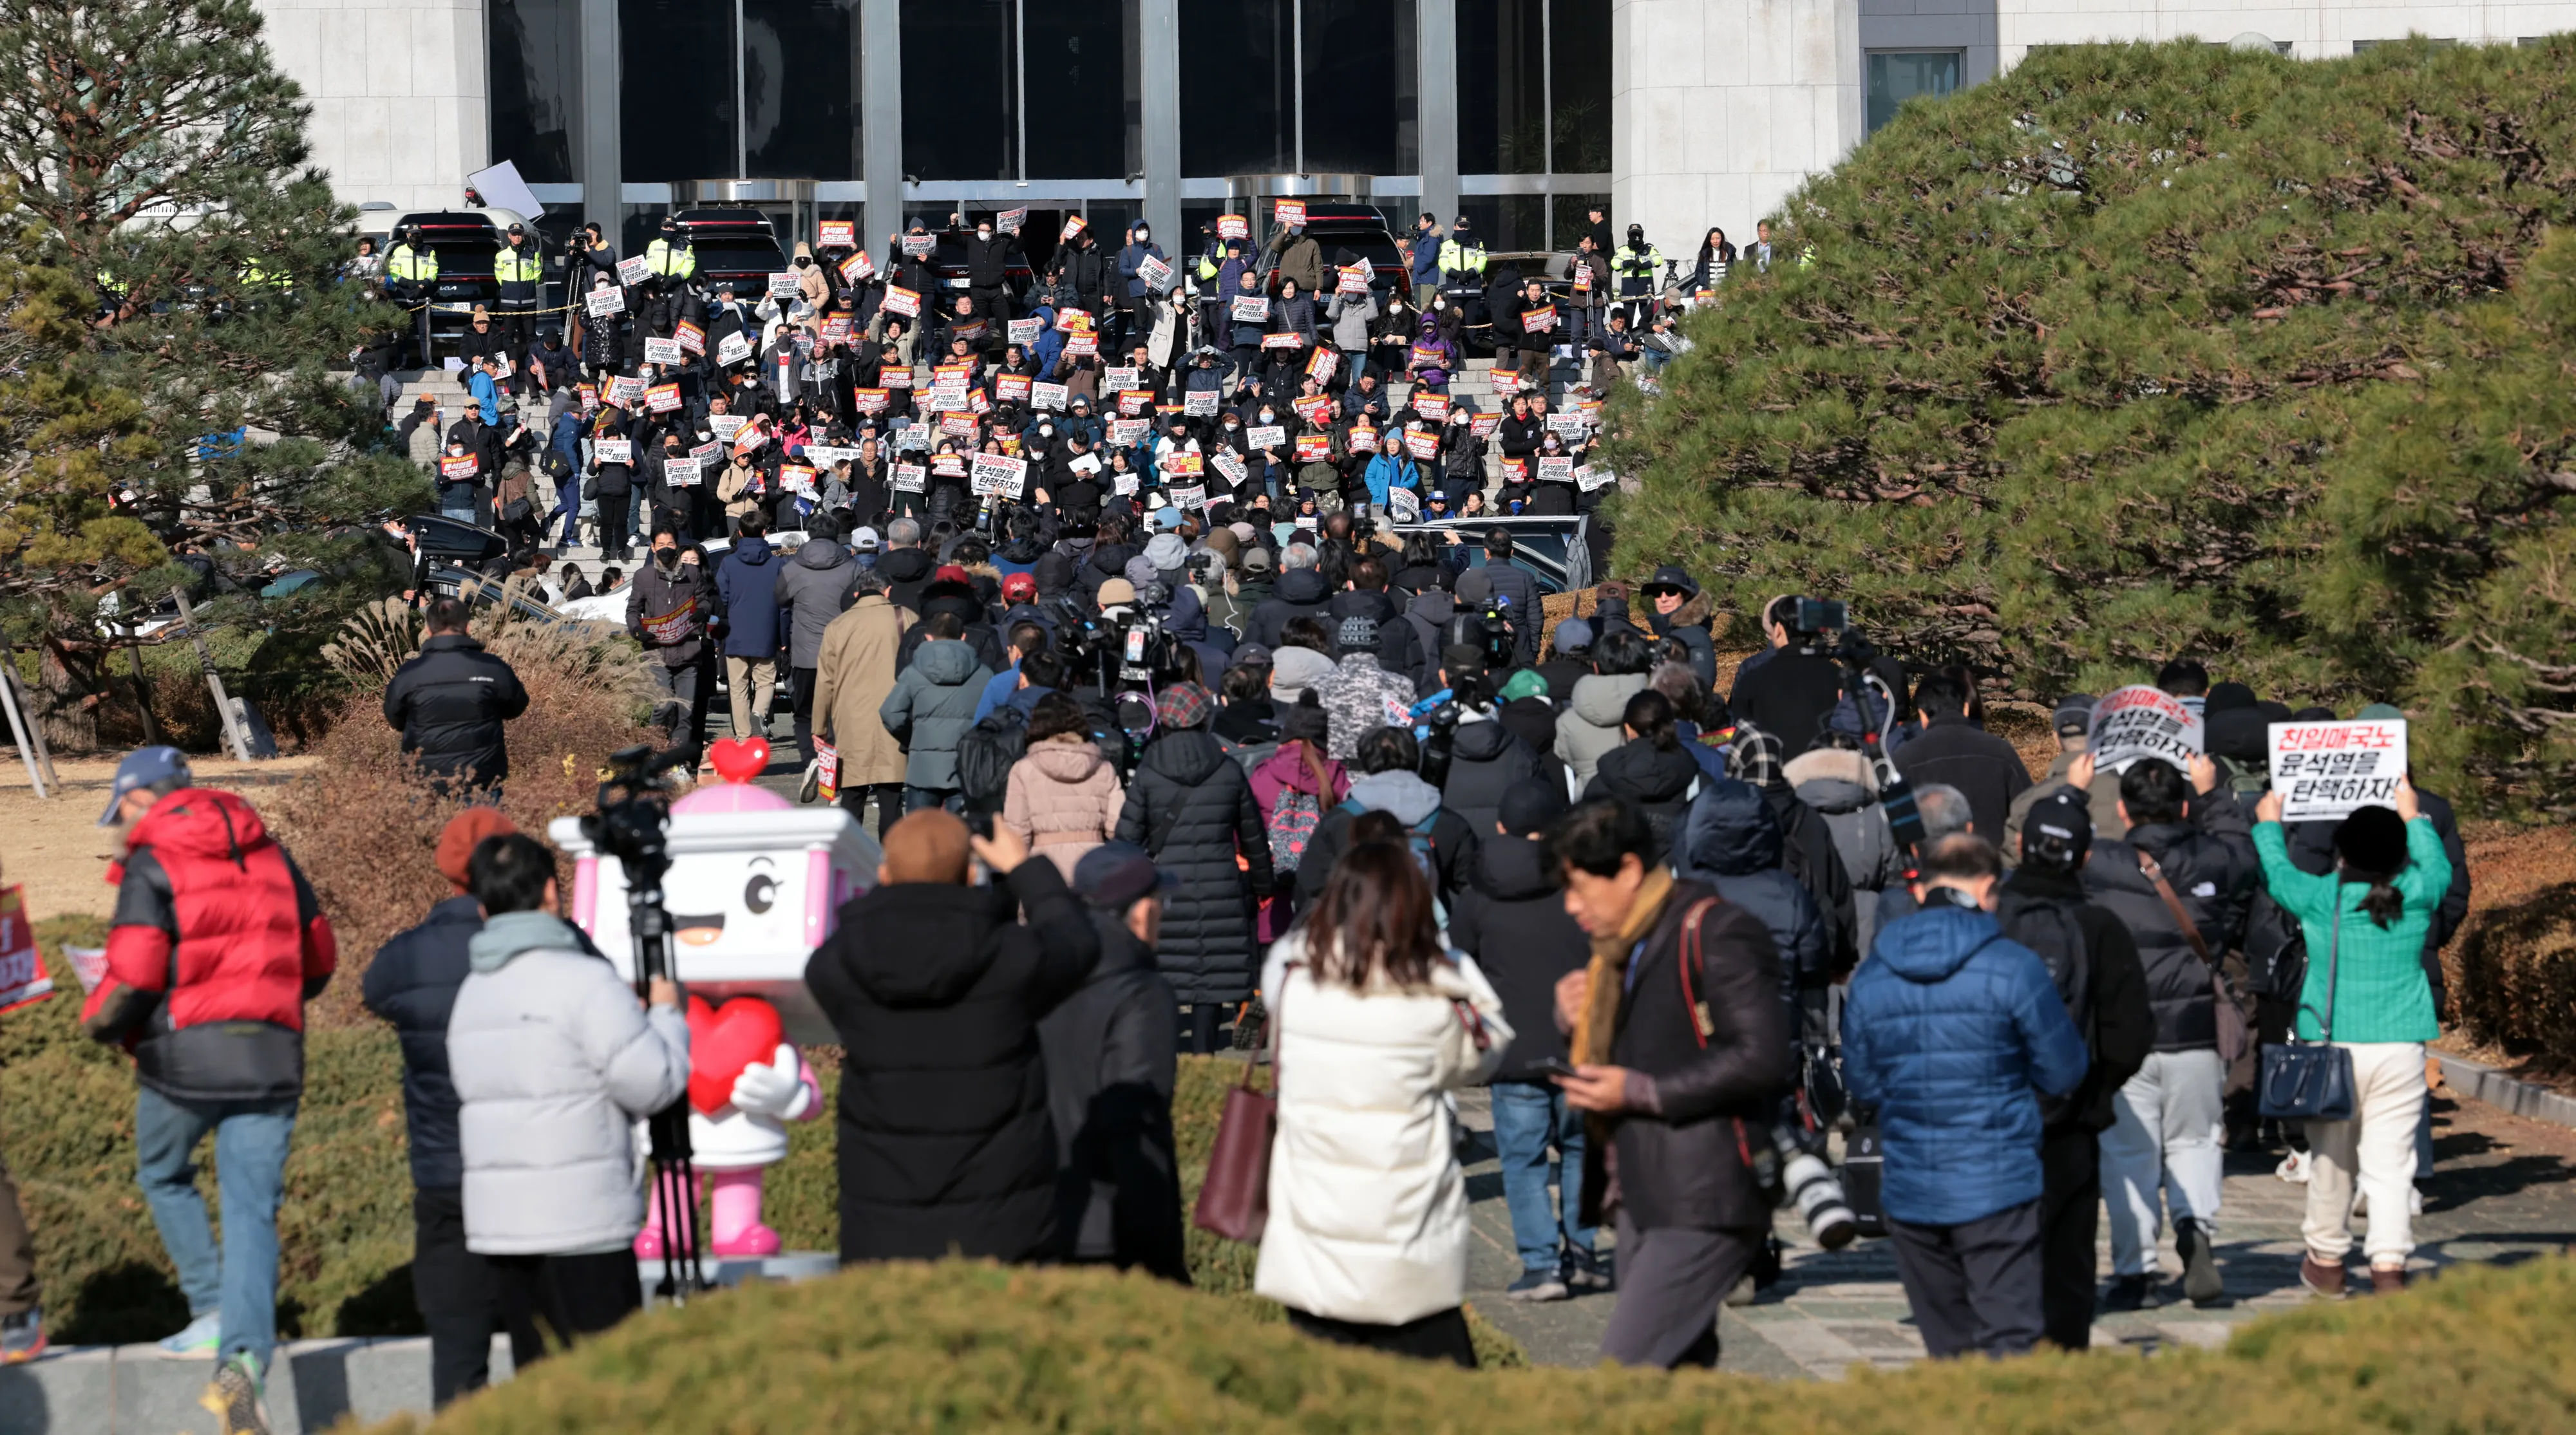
<point>1273,384</point>
<point>1343,806</point>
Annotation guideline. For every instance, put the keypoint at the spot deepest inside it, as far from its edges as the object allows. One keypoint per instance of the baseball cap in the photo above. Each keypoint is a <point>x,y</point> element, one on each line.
<point>1167,517</point>
<point>141,768</point>
<point>951,573</point>
<point>465,832</point>
<point>1573,635</point>
<point>1251,655</point>
<point>2064,815</point>
<point>1256,560</point>
<point>1019,588</point>
<point>2074,715</point>
<point>1115,874</point>
<point>1116,592</point>
<point>865,540</point>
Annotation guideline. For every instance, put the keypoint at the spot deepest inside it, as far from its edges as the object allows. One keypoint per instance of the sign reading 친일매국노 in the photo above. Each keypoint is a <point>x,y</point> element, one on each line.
<point>2334,769</point>
<point>2141,721</point>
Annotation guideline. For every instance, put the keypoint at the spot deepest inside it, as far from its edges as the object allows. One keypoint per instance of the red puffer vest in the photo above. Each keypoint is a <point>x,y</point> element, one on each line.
<point>217,944</point>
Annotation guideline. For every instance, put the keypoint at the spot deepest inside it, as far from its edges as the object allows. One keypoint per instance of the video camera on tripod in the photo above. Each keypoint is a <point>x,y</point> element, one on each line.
<point>1124,660</point>
<point>633,824</point>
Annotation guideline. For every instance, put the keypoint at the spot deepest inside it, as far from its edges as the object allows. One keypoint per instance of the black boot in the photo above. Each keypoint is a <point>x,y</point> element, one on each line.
<point>2200,1279</point>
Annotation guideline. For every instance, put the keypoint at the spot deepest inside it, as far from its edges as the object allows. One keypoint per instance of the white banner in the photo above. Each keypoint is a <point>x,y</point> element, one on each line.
<point>2141,721</point>
<point>2333,769</point>
<point>998,475</point>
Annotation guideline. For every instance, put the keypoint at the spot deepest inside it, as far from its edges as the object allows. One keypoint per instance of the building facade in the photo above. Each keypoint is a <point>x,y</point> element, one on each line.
<point>1680,114</point>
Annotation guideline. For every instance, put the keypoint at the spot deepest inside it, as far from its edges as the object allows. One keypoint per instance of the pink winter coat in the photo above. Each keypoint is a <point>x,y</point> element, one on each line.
<point>1063,799</point>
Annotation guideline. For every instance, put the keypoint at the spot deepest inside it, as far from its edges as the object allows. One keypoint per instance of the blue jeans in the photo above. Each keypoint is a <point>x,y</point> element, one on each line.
<point>1528,1115</point>
<point>461,515</point>
<point>250,1176</point>
<point>917,798</point>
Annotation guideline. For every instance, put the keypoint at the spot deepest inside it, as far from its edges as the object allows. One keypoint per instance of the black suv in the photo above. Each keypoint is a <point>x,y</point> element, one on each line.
<point>1363,232</point>
<point>733,246</point>
<point>464,243</point>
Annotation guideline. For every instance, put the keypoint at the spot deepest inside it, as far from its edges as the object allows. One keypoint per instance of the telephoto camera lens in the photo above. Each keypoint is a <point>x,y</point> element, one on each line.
<point>1819,1198</point>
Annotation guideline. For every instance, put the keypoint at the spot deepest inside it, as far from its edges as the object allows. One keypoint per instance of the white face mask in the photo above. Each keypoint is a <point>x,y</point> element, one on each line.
<point>983,234</point>
<point>1439,303</point>
<point>1143,235</point>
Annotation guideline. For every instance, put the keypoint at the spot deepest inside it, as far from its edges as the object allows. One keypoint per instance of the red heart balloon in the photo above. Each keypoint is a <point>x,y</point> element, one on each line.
<point>722,1041</point>
<point>740,759</point>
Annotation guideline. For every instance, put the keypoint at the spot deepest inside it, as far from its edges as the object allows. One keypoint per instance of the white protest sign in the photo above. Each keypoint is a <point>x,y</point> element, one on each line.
<point>830,454</point>
<point>2141,721</point>
<point>1199,403</point>
<point>733,348</point>
<point>1228,463</point>
<point>913,436</point>
<point>607,303</point>
<point>725,426</point>
<point>1154,272</point>
<point>910,478</point>
<point>998,475</point>
<point>1047,396</point>
<point>783,283</point>
<point>1010,221</point>
<point>1250,309</point>
<point>1023,332</point>
<point>2334,769</point>
<point>625,389</point>
<point>662,351</point>
<point>1192,498</point>
<point>613,450</point>
<point>1556,470</point>
<point>680,472</point>
<point>1125,484</point>
<point>1117,378</point>
<point>1594,476</point>
<point>634,269</point>
<point>1404,505</point>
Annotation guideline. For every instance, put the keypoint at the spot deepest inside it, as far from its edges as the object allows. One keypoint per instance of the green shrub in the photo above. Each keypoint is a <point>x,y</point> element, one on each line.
<point>958,1346</point>
<point>2152,349</point>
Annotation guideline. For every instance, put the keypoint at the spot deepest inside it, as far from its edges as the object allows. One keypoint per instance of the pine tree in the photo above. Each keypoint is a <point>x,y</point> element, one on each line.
<point>2147,350</point>
<point>173,282</point>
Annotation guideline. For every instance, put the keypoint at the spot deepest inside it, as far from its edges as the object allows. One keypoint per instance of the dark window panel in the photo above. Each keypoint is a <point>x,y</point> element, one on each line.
<point>1506,222</point>
<point>1502,87</point>
<point>1570,219</point>
<point>960,117</point>
<point>533,60</point>
<point>1895,77</point>
<point>1238,97</point>
<point>1579,66</point>
<point>1363,87</point>
<point>1078,79</point>
<point>800,89</point>
<point>676,106</point>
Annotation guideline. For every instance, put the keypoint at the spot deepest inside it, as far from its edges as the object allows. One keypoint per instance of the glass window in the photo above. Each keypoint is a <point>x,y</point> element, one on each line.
<point>676,106</point>
<point>1578,46</point>
<point>1507,223</point>
<point>1898,76</point>
<point>807,126</point>
<point>1238,102</point>
<point>1502,86</point>
<point>1363,91</point>
<point>1570,218</point>
<point>960,107</point>
<point>1085,116</point>
<point>534,74</point>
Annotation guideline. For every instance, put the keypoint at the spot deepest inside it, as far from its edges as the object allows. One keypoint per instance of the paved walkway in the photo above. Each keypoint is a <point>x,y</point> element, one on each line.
<point>2503,1188</point>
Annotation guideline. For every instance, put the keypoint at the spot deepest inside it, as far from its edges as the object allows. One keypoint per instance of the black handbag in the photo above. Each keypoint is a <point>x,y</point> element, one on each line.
<point>2310,1080</point>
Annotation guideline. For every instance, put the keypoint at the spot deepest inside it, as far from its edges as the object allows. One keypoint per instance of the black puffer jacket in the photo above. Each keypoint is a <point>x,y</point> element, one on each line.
<point>412,984</point>
<point>1111,1056</point>
<point>1657,779</point>
<point>1684,1168</point>
<point>1732,843</point>
<point>2208,860</point>
<point>450,702</point>
<point>1191,806</point>
<point>1298,593</point>
<point>906,571</point>
<point>1511,919</point>
<point>2094,962</point>
<point>936,992</point>
<point>1485,759</point>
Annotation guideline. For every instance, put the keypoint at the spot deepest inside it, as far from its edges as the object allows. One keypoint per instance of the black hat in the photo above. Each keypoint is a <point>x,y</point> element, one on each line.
<point>2074,715</point>
<point>1358,634</point>
<point>1115,874</point>
<point>2063,816</point>
<point>1675,578</point>
<point>2227,697</point>
<point>1529,805</point>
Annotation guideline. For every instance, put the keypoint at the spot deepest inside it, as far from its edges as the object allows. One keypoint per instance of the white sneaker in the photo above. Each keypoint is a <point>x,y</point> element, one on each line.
<point>812,786</point>
<point>2293,1168</point>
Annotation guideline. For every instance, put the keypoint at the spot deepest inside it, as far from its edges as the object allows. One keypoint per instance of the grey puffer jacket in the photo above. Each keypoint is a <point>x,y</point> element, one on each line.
<point>814,587</point>
<point>931,707</point>
<point>1838,785</point>
<point>553,1058</point>
<point>1589,726</point>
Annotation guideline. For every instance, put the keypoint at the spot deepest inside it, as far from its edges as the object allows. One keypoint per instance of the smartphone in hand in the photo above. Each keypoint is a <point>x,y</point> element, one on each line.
<point>1554,1066</point>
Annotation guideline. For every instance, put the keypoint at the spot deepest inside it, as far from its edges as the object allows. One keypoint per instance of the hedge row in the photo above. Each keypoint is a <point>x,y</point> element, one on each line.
<point>959,1346</point>
<point>345,1229</point>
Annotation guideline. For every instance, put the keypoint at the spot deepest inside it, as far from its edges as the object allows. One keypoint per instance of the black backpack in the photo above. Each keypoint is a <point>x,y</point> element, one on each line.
<point>985,755</point>
<point>2049,928</point>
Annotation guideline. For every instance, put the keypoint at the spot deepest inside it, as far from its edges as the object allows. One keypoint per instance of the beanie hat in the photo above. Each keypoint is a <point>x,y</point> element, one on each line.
<point>1117,592</point>
<point>1474,587</point>
<point>465,832</point>
<point>2381,712</point>
<point>1183,705</point>
<point>1754,757</point>
<point>1358,634</point>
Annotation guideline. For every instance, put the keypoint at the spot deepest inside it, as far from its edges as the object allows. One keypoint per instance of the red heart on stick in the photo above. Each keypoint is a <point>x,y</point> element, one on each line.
<point>740,759</point>
<point>722,1041</point>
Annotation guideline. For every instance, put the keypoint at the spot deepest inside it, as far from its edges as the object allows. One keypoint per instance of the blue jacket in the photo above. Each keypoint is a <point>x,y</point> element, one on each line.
<point>487,395</point>
<point>1948,1028</point>
<point>1425,264</point>
<point>1131,257</point>
<point>566,439</point>
<point>412,983</point>
<point>747,582</point>
<point>1388,471</point>
<point>1732,842</point>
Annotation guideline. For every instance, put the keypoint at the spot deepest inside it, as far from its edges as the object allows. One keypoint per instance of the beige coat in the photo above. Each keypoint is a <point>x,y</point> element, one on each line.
<point>1063,799</point>
<point>854,676</point>
<point>733,490</point>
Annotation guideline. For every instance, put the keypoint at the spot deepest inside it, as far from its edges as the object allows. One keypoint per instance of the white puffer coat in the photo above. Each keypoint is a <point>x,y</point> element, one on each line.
<point>1368,1210</point>
<point>553,1059</point>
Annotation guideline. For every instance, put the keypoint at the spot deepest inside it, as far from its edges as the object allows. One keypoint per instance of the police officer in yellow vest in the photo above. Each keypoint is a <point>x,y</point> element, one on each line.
<point>1634,266</point>
<point>670,257</point>
<point>411,274</point>
<point>520,269</point>
<point>1462,259</point>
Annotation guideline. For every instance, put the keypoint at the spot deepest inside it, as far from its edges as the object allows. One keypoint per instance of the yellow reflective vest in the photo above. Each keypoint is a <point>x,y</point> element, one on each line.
<point>1457,258</point>
<point>670,261</point>
<point>519,265</point>
<point>407,263</point>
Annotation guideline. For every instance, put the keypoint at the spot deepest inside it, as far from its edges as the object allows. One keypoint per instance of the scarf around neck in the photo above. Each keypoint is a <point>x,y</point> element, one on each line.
<point>1609,968</point>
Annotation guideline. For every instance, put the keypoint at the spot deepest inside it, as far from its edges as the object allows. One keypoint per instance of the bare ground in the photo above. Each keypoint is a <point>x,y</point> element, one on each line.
<point>55,848</point>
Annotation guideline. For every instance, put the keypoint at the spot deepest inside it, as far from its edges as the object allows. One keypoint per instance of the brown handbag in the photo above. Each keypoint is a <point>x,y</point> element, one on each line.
<point>1235,1200</point>
<point>2234,1037</point>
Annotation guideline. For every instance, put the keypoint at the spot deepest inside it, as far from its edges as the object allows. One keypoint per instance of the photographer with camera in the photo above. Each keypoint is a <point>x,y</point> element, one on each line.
<point>1791,689</point>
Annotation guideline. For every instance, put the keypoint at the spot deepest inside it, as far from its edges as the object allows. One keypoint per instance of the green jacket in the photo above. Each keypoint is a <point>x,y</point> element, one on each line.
<point>2381,993</point>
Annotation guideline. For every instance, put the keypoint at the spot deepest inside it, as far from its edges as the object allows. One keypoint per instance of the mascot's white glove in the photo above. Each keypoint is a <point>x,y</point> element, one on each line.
<point>775,1090</point>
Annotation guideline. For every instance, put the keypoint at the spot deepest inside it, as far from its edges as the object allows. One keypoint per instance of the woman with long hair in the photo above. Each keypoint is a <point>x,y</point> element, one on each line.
<point>1375,1020</point>
<point>2366,992</point>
